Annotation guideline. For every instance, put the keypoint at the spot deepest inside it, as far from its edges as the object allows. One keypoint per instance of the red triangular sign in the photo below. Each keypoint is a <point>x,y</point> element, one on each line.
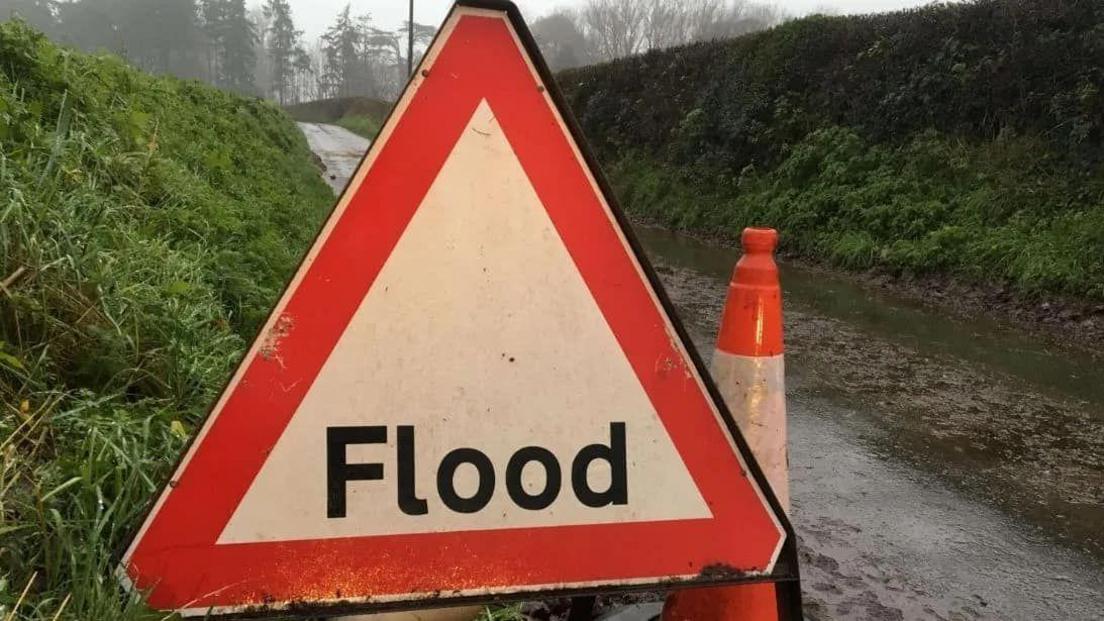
<point>472,387</point>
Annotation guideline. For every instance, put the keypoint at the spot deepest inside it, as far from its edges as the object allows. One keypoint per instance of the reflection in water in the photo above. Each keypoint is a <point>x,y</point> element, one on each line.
<point>880,313</point>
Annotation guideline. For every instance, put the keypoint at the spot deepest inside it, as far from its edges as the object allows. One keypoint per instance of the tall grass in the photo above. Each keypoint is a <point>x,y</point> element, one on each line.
<point>146,225</point>
<point>510,612</point>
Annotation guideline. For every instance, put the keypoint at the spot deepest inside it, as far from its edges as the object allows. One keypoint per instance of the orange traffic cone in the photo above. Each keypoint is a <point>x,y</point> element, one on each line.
<point>749,372</point>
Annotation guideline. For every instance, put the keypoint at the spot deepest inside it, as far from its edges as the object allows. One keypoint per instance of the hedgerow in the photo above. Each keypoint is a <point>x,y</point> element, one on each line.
<point>146,226</point>
<point>964,138</point>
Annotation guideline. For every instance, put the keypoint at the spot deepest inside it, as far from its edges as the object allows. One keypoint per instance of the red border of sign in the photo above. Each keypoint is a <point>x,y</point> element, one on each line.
<point>176,558</point>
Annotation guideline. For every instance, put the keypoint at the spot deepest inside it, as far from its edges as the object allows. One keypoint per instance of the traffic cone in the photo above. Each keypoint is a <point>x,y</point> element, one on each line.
<point>749,372</point>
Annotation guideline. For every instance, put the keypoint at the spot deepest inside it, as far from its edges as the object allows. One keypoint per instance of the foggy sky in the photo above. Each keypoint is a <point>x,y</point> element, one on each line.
<point>313,16</point>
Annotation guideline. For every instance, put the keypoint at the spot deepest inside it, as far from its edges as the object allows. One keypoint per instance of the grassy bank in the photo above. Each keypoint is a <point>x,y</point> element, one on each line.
<point>987,213</point>
<point>361,125</point>
<point>359,115</point>
<point>961,139</point>
<point>146,226</point>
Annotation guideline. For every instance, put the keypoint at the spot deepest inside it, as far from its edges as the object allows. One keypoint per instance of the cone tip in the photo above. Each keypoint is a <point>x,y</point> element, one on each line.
<point>752,320</point>
<point>758,240</point>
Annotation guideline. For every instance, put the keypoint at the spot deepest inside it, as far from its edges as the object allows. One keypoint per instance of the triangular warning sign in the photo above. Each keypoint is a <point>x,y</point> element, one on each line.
<point>472,388</point>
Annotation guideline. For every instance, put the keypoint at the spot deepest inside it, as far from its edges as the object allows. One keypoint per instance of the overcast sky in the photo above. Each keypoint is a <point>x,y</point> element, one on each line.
<point>313,16</point>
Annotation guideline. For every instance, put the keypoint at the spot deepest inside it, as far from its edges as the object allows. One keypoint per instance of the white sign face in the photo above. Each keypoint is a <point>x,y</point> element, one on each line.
<point>478,333</point>
<point>473,386</point>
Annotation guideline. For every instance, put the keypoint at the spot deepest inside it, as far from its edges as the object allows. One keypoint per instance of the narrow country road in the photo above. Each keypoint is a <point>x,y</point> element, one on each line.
<point>940,470</point>
<point>339,149</point>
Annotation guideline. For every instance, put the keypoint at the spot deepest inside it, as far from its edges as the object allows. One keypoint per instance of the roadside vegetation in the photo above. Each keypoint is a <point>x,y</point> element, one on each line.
<point>360,125</point>
<point>961,139</point>
<point>359,115</point>
<point>511,612</point>
<point>146,226</point>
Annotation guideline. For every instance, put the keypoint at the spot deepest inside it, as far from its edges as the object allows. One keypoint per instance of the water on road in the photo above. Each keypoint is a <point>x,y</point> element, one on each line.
<point>920,451</point>
<point>339,149</point>
<point>941,469</point>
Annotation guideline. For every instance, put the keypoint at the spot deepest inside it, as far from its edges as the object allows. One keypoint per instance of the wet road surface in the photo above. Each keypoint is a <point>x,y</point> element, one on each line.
<point>339,149</point>
<point>941,469</point>
<point>920,457</point>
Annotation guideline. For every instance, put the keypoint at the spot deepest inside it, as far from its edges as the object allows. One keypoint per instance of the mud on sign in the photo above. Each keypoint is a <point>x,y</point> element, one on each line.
<point>472,388</point>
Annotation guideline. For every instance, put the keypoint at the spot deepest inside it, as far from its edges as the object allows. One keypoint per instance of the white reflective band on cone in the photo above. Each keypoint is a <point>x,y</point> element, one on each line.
<point>754,389</point>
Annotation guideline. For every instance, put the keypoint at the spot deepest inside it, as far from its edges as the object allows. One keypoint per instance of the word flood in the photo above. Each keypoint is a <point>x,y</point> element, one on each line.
<point>339,473</point>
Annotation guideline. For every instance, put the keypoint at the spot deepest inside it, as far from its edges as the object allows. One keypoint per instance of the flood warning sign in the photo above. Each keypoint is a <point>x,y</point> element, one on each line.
<point>472,387</point>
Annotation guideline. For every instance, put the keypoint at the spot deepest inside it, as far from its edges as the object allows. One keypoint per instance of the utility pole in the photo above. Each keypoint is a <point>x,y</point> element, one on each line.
<point>410,42</point>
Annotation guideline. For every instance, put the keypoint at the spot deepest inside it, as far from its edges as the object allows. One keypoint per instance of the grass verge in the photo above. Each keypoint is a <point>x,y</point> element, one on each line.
<point>989,212</point>
<point>146,226</point>
<point>362,125</point>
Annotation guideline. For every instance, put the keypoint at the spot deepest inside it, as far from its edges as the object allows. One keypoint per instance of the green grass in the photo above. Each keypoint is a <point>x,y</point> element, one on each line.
<point>1000,211</point>
<point>502,613</point>
<point>362,125</point>
<point>146,226</point>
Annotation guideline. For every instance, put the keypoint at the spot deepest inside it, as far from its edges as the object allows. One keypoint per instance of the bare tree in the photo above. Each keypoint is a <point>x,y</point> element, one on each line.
<point>705,16</point>
<point>671,23</point>
<point>616,28</point>
<point>740,18</point>
<point>664,23</point>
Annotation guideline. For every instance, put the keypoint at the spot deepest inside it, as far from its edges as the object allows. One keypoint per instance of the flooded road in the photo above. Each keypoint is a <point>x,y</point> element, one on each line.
<point>339,149</point>
<point>941,469</point>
